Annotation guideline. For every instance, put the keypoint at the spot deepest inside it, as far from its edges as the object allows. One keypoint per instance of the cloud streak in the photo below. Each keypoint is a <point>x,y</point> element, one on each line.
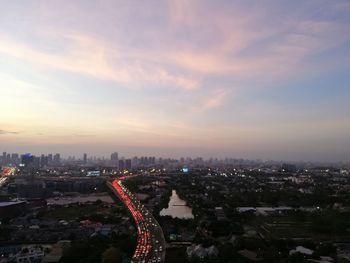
<point>6,132</point>
<point>212,100</point>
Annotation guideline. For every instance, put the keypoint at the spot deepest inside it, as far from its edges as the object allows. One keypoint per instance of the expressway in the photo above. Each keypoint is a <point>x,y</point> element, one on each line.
<point>150,246</point>
<point>5,173</point>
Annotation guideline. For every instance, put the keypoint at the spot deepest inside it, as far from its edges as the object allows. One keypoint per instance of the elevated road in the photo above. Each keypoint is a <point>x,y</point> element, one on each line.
<point>150,246</point>
<point>5,174</point>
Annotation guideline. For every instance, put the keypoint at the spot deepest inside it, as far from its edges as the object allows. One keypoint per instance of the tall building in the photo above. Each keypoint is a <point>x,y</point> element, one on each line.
<point>135,162</point>
<point>15,158</point>
<point>49,159</point>
<point>114,159</point>
<point>36,162</point>
<point>121,165</point>
<point>127,164</point>
<point>85,158</point>
<point>4,158</point>
<point>44,161</point>
<point>143,160</point>
<point>27,160</point>
<point>57,159</point>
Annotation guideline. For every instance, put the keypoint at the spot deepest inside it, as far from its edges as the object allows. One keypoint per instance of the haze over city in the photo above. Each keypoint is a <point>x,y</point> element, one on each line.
<point>250,79</point>
<point>174,131</point>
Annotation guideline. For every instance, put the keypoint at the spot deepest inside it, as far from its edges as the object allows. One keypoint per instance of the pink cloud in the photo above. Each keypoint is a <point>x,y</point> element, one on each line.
<point>89,56</point>
<point>211,100</point>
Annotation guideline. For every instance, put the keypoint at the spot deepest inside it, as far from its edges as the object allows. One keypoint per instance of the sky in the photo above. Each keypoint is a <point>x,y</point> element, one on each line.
<point>241,79</point>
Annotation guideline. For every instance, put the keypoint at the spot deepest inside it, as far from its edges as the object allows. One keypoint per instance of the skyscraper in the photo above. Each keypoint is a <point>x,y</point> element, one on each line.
<point>43,160</point>
<point>4,158</point>
<point>57,159</point>
<point>49,158</point>
<point>15,158</point>
<point>27,160</point>
<point>114,159</point>
<point>128,164</point>
<point>121,165</point>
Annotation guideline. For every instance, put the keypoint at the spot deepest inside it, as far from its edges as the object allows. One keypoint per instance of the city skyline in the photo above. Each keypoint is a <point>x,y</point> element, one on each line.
<point>14,158</point>
<point>265,80</point>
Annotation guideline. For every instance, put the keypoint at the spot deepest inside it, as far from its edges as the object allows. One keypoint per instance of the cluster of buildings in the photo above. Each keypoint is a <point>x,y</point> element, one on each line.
<point>29,160</point>
<point>7,158</point>
<point>40,234</point>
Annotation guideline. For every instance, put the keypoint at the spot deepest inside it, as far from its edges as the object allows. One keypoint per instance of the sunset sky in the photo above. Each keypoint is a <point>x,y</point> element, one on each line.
<point>251,79</point>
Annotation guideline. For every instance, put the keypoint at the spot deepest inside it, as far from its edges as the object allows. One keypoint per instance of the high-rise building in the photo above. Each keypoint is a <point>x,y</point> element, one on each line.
<point>135,162</point>
<point>49,159</point>
<point>4,158</point>
<point>36,162</point>
<point>15,158</point>
<point>127,164</point>
<point>27,160</point>
<point>44,161</point>
<point>57,159</point>
<point>85,158</point>
<point>121,165</point>
<point>114,159</point>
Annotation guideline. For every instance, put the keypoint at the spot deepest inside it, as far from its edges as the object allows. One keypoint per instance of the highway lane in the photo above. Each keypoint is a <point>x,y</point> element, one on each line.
<point>150,246</point>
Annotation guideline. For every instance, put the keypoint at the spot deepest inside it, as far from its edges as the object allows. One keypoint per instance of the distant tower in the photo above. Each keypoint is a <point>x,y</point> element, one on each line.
<point>114,159</point>
<point>49,159</point>
<point>43,161</point>
<point>121,165</point>
<point>85,158</point>
<point>27,159</point>
<point>127,164</point>
<point>57,159</point>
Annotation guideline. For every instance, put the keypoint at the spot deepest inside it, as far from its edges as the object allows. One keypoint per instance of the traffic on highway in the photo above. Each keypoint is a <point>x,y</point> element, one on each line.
<point>5,173</point>
<point>150,246</point>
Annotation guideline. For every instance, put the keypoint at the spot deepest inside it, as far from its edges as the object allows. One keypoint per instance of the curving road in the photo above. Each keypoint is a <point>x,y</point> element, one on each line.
<point>150,246</point>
